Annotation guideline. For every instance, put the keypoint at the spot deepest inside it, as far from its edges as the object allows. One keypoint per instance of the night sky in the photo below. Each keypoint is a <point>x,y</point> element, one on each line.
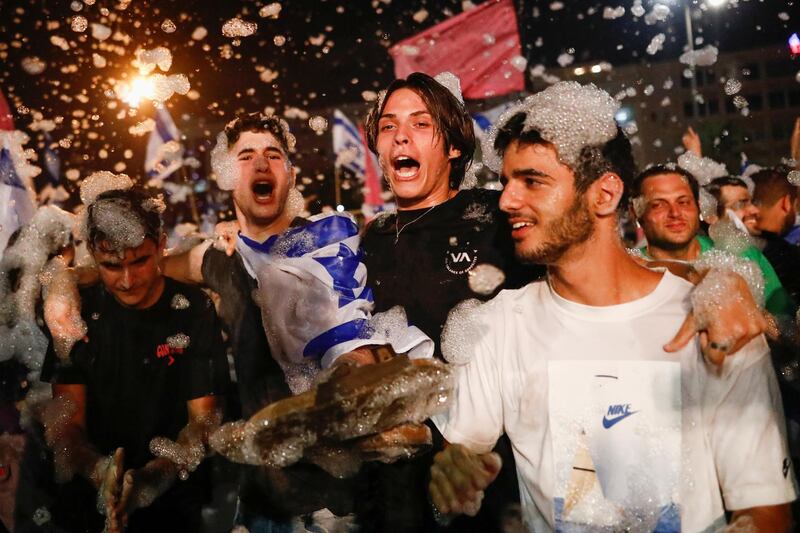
<point>333,52</point>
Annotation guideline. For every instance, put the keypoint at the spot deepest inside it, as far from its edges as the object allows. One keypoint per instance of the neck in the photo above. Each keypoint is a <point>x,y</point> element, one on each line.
<point>620,279</point>
<point>150,300</point>
<point>689,252</point>
<point>431,200</point>
<point>261,232</point>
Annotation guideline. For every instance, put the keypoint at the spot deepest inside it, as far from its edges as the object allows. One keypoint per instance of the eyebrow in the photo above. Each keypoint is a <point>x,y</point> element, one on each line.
<point>249,150</point>
<point>414,114</point>
<point>528,172</point>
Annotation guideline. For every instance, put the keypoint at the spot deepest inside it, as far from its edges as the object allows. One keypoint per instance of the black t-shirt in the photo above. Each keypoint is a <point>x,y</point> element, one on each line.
<point>275,493</point>
<point>140,367</point>
<point>426,270</point>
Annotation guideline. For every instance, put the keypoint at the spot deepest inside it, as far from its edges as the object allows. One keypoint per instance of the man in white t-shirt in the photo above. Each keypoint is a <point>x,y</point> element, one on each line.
<point>609,432</point>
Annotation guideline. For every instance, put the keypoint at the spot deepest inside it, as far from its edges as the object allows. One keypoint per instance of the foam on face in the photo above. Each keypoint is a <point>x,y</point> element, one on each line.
<point>569,115</point>
<point>122,229</point>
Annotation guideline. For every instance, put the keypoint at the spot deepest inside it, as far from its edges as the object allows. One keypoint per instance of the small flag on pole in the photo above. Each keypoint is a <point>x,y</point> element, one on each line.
<point>164,149</point>
<point>352,153</point>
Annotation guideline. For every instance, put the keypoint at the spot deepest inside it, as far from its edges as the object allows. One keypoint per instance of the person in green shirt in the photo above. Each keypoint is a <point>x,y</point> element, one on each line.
<point>665,202</point>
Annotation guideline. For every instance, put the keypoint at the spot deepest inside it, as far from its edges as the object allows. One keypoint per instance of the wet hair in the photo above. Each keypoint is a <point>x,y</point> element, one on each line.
<point>658,170</point>
<point>614,156</point>
<point>715,188</point>
<point>450,118</point>
<point>258,122</point>
<point>137,204</point>
<point>772,184</point>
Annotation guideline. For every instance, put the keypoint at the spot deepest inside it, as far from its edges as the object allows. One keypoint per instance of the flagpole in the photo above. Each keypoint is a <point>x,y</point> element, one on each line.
<point>337,178</point>
<point>192,200</point>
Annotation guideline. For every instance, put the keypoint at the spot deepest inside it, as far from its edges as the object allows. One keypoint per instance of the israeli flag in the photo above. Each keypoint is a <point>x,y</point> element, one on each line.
<point>16,206</point>
<point>315,304</point>
<point>349,147</point>
<point>164,149</point>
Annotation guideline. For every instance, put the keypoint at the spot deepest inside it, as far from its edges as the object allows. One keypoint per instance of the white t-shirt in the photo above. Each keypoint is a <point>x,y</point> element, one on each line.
<point>608,430</point>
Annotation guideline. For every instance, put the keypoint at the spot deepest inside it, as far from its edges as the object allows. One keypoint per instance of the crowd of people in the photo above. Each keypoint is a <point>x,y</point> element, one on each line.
<point>596,387</point>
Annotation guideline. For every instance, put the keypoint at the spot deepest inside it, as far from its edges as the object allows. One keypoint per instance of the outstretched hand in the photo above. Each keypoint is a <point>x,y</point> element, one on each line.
<point>728,326</point>
<point>225,234</point>
<point>691,141</point>
<point>459,477</point>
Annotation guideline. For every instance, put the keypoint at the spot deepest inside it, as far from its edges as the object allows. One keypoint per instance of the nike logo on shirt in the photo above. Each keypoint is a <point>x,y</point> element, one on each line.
<point>617,413</point>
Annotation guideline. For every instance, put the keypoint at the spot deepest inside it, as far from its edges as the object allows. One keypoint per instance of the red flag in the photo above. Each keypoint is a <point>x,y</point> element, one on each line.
<point>6,119</point>
<point>477,46</point>
<point>372,182</point>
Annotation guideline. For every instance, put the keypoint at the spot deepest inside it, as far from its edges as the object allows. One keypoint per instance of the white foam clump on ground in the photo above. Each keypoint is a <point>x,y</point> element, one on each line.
<point>99,182</point>
<point>703,57</point>
<point>237,27</point>
<point>462,331</point>
<point>148,60</point>
<point>223,163</point>
<point>569,115</point>
<point>704,169</point>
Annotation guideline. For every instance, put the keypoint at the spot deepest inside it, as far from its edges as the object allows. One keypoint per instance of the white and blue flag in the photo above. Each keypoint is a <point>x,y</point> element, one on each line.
<point>164,149</point>
<point>315,304</point>
<point>16,205</point>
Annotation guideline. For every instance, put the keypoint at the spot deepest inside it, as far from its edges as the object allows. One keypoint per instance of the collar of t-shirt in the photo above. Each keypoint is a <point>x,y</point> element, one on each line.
<point>666,287</point>
<point>413,220</point>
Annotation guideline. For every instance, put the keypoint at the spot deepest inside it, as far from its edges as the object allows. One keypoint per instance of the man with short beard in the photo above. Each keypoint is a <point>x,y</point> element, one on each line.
<point>665,202</point>
<point>428,256</point>
<point>610,432</point>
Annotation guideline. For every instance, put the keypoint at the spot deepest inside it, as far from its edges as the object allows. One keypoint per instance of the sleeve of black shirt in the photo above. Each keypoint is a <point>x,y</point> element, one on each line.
<point>70,372</point>
<point>207,373</point>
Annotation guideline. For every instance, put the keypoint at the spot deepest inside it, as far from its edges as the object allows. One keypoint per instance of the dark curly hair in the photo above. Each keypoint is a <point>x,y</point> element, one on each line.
<point>257,122</point>
<point>614,156</point>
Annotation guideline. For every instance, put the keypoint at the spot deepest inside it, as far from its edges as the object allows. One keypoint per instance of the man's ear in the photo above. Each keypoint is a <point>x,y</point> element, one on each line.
<point>453,153</point>
<point>606,193</point>
<point>786,204</point>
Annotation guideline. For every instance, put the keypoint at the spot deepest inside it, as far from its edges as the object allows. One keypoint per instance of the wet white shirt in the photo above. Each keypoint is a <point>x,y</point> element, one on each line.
<point>608,430</point>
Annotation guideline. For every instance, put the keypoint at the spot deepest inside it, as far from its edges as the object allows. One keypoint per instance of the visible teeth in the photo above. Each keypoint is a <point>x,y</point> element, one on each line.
<point>518,225</point>
<point>406,172</point>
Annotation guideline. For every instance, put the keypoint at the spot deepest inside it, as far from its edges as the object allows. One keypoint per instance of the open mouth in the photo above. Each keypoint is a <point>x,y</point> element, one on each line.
<point>263,190</point>
<point>405,167</point>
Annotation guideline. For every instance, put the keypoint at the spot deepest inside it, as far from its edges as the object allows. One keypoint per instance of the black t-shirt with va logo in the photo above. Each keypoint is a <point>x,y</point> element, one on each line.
<point>426,269</point>
<point>140,367</point>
